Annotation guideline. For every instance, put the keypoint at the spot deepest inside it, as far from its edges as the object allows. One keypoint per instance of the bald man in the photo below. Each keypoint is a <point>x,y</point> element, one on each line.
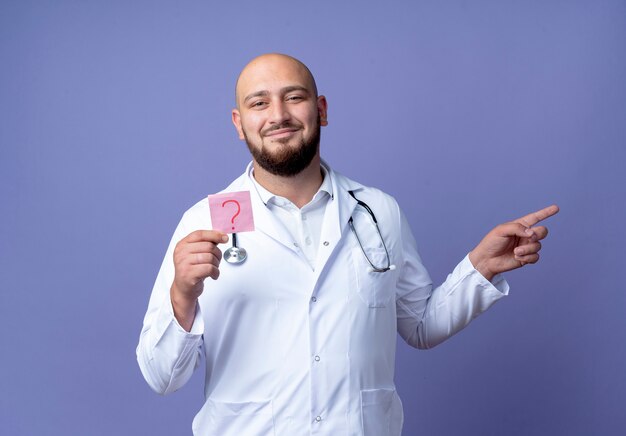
<point>299,338</point>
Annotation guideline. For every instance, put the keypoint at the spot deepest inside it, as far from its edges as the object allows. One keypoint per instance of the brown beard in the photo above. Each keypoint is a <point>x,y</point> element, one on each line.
<point>287,161</point>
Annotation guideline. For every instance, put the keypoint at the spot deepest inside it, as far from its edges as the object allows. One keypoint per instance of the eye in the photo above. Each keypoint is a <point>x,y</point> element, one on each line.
<point>295,98</point>
<point>258,104</point>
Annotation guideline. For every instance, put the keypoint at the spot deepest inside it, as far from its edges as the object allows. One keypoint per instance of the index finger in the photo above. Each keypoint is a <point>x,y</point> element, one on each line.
<point>533,218</point>
<point>206,236</point>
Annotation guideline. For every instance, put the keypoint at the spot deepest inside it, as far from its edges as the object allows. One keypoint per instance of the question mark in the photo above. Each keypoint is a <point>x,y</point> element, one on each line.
<point>232,220</point>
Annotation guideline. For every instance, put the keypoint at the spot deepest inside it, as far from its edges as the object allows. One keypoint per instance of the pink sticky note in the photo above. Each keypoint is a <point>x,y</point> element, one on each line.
<point>231,212</point>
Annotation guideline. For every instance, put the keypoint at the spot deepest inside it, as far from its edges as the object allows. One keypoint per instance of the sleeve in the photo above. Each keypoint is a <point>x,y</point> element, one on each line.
<point>426,316</point>
<point>166,353</point>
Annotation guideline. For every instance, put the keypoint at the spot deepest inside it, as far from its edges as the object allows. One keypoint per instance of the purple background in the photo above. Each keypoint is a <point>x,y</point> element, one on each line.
<point>115,117</point>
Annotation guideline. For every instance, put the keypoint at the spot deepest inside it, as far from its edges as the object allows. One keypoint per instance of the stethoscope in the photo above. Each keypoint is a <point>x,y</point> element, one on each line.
<point>236,255</point>
<point>374,268</point>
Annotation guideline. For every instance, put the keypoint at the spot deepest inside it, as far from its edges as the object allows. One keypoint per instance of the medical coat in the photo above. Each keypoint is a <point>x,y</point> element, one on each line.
<point>293,350</point>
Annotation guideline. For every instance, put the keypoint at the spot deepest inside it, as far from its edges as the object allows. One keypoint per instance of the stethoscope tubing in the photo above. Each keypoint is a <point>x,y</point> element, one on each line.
<point>237,255</point>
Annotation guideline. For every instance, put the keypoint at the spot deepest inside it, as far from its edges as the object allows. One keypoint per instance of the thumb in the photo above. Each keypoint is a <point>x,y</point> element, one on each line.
<point>514,229</point>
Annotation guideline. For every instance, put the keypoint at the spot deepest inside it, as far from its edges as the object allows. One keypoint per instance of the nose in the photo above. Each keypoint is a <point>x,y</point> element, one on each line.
<point>279,113</point>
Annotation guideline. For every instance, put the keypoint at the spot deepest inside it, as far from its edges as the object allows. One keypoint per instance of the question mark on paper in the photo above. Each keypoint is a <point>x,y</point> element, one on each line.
<point>232,220</point>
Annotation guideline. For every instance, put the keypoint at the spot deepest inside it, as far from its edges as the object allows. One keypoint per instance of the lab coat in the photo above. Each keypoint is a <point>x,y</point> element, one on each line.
<point>295,350</point>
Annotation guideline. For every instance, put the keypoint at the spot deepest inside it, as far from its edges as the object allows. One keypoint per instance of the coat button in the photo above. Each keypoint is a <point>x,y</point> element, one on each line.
<point>326,243</point>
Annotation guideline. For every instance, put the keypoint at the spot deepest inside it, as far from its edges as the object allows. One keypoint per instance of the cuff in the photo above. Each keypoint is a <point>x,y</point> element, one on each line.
<point>498,283</point>
<point>169,333</point>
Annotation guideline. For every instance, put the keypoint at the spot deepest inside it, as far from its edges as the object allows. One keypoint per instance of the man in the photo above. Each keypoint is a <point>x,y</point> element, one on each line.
<point>300,337</point>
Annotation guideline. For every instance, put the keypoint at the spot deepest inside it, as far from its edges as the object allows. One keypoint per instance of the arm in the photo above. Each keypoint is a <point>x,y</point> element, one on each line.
<point>170,344</point>
<point>427,316</point>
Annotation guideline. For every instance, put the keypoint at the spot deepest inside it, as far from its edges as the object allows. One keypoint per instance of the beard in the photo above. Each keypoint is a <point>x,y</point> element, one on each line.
<point>286,160</point>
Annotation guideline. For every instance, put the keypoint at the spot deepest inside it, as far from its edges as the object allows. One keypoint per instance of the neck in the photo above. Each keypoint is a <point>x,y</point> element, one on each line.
<point>298,189</point>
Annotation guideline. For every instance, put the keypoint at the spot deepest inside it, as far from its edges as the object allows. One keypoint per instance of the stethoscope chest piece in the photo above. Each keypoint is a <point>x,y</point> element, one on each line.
<point>234,254</point>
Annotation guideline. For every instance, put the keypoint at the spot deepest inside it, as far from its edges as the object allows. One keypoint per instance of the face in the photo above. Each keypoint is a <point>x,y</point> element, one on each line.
<point>279,114</point>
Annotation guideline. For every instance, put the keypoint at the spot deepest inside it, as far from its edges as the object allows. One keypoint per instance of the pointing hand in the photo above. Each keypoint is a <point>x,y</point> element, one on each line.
<point>511,245</point>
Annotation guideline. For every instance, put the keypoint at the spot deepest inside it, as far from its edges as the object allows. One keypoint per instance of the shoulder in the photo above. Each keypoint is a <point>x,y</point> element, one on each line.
<point>374,197</point>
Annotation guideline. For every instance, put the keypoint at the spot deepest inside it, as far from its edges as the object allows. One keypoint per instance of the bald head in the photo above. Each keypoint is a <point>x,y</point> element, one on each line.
<point>261,71</point>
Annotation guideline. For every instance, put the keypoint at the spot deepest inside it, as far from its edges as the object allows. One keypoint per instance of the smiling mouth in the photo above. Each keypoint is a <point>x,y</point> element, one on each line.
<point>282,133</point>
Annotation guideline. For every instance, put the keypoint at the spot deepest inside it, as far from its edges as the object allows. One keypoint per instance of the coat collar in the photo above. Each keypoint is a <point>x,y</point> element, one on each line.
<point>338,212</point>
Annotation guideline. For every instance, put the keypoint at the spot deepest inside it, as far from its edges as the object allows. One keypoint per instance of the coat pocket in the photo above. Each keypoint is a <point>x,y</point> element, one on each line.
<point>381,412</point>
<point>374,288</point>
<point>221,418</point>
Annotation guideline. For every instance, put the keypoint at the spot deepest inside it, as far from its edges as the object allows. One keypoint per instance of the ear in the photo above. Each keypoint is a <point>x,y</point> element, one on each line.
<point>236,117</point>
<point>322,110</point>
